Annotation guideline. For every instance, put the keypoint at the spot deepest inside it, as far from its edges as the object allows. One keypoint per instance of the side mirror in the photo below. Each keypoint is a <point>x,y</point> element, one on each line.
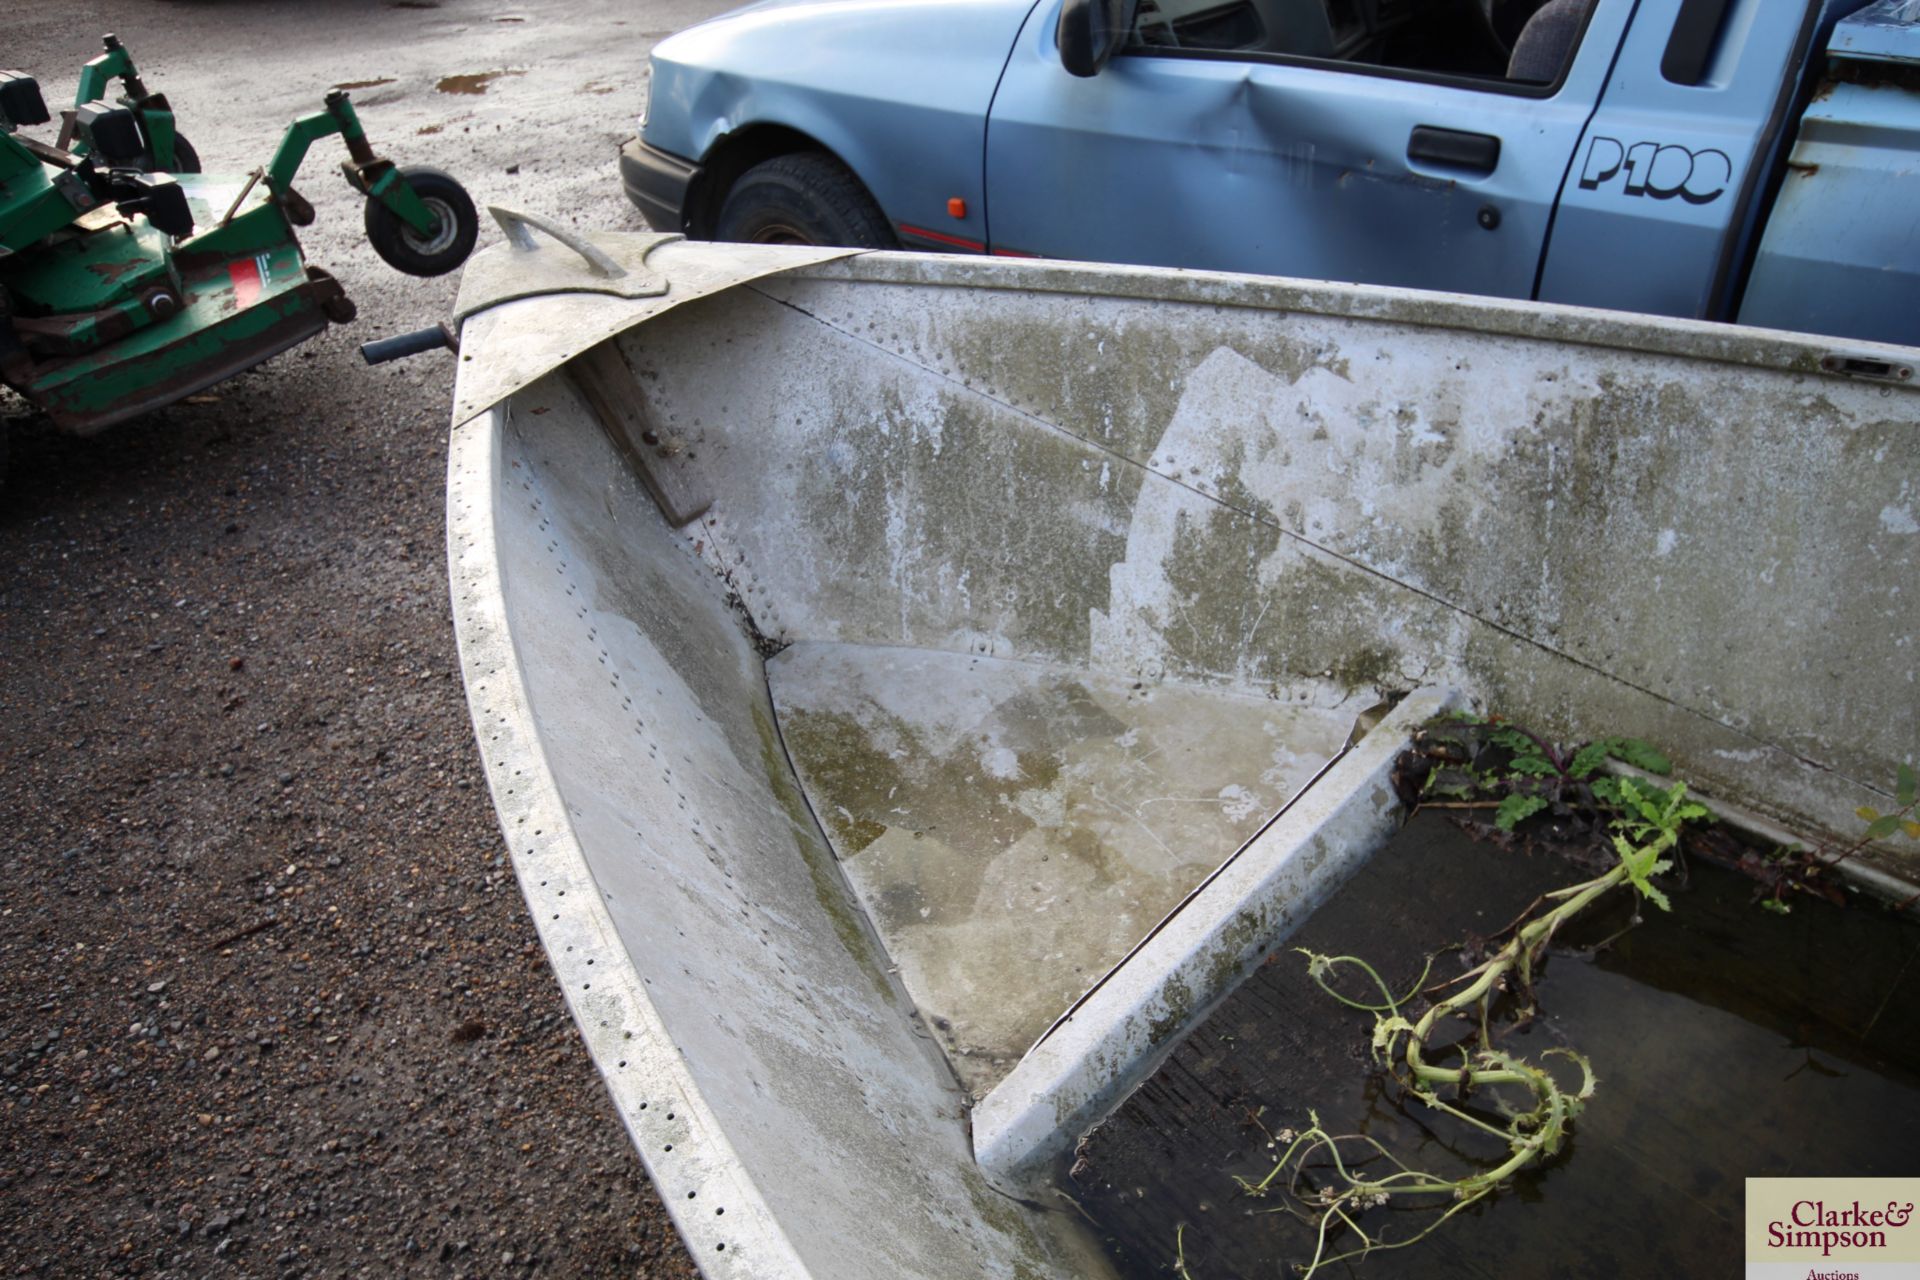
<point>1090,31</point>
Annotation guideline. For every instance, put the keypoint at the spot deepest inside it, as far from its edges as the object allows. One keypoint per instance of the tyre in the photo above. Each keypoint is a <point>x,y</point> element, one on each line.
<point>805,198</point>
<point>185,158</point>
<point>405,249</point>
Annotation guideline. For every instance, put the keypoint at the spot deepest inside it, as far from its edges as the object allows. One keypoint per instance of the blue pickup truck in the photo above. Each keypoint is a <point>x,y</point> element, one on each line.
<point>1750,160</point>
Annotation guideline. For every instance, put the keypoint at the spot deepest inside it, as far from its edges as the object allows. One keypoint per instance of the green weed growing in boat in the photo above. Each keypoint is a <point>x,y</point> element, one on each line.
<point>1487,764</point>
<point>1795,870</point>
<point>1906,794</point>
<point>1334,1181</point>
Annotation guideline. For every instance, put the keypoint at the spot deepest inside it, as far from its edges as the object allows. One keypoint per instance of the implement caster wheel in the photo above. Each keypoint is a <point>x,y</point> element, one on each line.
<point>185,158</point>
<point>405,249</point>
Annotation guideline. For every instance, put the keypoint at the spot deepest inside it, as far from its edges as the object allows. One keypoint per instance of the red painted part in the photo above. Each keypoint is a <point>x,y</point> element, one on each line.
<point>940,237</point>
<point>956,207</point>
<point>1013,253</point>
<point>245,275</point>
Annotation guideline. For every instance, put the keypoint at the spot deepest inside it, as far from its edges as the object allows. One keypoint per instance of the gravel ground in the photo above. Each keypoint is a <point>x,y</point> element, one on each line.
<point>272,1003</point>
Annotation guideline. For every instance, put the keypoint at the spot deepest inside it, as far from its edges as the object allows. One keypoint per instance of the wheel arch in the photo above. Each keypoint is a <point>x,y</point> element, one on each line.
<point>733,154</point>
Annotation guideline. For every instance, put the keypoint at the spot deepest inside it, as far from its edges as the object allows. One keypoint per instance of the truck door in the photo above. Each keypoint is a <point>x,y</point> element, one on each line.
<point>1664,195</point>
<point>1367,140</point>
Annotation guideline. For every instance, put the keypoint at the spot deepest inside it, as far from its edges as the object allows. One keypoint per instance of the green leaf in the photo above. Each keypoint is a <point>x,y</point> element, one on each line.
<point>1679,809</point>
<point>1906,785</point>
<point>1517,807</point>
<point>1641,755</point>
<point>1512,739</point>
<point>1882,827</point>
<point>1866,813</point>
<point>1528,755</point>
<point>1642,864</point>
<point>1776,906</point>
<point>1610,790</point>
<point>1911,828</point>
<point>1589,758</point>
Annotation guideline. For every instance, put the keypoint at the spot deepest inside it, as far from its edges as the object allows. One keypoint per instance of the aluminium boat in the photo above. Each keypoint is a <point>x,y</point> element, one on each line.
<point>914,689</point>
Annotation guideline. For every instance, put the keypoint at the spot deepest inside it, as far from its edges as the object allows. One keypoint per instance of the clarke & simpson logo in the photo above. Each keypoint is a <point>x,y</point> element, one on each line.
<point>1832,1229</point>
<point>1811,1224</point>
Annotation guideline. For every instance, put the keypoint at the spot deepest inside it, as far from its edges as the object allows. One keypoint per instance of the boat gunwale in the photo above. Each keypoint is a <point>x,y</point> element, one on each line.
<point>608,1002</point>
<point>1556,322</point>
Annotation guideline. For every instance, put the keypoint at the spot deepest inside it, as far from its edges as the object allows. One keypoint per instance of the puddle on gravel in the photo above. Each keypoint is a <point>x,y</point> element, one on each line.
<point>1729,1043</point>
<point>472,82</point>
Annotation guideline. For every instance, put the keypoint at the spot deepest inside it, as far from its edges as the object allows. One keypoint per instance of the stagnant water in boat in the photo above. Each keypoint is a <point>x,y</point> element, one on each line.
<point>1729,1042</point>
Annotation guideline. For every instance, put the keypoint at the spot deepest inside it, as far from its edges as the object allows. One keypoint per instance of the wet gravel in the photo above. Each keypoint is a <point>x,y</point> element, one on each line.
<point>270,1002</point>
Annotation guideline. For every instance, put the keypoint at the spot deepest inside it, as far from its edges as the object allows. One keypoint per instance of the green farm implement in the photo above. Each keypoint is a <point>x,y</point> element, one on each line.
<point>128,279</point>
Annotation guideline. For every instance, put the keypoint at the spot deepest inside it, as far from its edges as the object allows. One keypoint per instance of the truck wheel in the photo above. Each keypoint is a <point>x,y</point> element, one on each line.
<point>405,249</point>
<point>804,198</point>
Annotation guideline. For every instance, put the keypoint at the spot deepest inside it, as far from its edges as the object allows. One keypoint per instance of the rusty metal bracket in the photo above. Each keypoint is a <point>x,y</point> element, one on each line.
<point>610,264</point>
<point>1873,368</point>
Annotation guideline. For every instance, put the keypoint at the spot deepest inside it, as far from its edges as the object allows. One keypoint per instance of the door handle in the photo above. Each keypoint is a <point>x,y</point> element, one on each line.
<point>1475,153</point>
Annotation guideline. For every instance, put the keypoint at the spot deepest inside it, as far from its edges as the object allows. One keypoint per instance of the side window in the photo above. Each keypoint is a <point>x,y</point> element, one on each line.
<point>1525,41</point>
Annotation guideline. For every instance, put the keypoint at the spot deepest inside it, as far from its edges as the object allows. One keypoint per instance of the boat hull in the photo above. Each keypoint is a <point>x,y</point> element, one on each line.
<point>710,572</point>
